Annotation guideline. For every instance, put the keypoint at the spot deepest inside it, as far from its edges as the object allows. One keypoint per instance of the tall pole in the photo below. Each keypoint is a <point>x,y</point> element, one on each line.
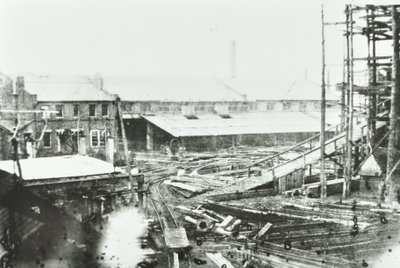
<point>322,137</point>
<point>349,117</point>
<point>374,96</point>
<point>390,183</point>
<point>128,164</point>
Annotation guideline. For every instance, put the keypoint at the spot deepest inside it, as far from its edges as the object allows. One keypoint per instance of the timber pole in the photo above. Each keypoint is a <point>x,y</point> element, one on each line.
<point>349,117</point>
<point>323,115</point>
<point>124,140</point>
<point>390,188</point>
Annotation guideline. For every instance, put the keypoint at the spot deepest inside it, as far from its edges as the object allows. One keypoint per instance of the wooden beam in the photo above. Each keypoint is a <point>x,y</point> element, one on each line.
<point>390,189</point>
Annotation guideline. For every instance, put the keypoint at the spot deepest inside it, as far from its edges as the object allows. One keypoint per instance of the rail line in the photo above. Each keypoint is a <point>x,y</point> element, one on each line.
<point>165,216</point>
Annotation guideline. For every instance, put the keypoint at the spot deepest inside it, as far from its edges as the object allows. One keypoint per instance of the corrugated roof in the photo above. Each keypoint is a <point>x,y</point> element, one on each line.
<point>174,89</point>
<point>65,88</point>
<point>58,167</point>
<point>241,123</point>
<point>279,90</point>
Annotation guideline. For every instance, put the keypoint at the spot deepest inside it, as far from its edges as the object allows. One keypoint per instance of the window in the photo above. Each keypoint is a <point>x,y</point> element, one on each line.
<point>104,110</point>
<point>270,106</point>
<point>163,109</point>
<point>92,109</point>
<point>303,106</point>
<point>47,140</point>
<point>103,135</point>
<point>94,138</point>
<point>76,110</point>
<point>232,107</point>
<point>98,138</point>
<point>59,109</point>
<point>286,106</point>
<point>199,108</point>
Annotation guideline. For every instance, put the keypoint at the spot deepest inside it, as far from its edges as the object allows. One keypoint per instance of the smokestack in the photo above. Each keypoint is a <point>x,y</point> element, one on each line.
<point>19,85</point>
<point>233,60</point>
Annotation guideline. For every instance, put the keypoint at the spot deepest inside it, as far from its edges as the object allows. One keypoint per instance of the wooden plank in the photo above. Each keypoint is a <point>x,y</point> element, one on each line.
<point>219,260</point>
<point>186,187</point>
<point>264,229</point>
<point>310,157</point>
<point>176,238</point>
<point>176,260</point>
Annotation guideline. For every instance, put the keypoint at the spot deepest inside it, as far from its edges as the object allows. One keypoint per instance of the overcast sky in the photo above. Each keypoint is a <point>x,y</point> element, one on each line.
<point>275,39</point>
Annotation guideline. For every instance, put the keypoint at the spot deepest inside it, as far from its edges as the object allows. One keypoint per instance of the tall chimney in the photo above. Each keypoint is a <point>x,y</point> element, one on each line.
<point>233,60</point>
<point>19,85</point>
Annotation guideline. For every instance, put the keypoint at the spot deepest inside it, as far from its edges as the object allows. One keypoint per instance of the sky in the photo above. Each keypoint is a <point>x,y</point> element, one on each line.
<point>274,39</point>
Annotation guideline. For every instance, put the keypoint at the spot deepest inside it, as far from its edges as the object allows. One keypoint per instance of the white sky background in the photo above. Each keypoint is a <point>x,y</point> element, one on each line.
<point>275,39</point>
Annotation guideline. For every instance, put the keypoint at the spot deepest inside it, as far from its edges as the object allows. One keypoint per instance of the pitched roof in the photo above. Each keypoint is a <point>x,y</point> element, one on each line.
<point>279,89</point>
<point>58,167</point>
<point>65,88</point>
<point>240,123</point>
<point>174,89</point>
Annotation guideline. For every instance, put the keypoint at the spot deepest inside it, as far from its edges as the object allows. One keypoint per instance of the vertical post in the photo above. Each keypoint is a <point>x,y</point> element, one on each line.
<point>140,181</point>
<point>391,187</point>
<point>233,60</point>
<point>14,141</point>
<point>349,117</point>
<point>374,98</point>
<point>128,164</point>
<point>77,134</point>
<point>149,137</point>
<point>322,136</point>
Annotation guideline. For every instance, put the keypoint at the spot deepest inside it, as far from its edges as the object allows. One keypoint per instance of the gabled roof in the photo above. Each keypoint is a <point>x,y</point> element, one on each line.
<point>170,89</point>
<point>279,89</point>
<point>58,167</point>
<point>65,88</point>
<point>241,123</point>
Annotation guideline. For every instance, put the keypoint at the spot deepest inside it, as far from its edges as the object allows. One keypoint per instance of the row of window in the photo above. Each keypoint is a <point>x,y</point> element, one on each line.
<point>76,110</point>
<point>288,105</point>
<point>97,138</point>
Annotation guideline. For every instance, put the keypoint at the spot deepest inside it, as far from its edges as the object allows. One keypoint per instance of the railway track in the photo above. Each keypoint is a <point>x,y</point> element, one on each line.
<point>166,217</point>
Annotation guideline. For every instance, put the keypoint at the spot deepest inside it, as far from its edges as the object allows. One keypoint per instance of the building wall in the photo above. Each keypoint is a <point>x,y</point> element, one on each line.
<point>65,142</point>
<point>175,108</point>
<point>5,145</point>
<point>295,105</point>
<point>157,107</point>
<point>9,101</point>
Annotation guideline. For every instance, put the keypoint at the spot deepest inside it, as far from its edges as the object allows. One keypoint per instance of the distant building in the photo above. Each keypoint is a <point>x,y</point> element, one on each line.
<point>76,106</point>
<point>203,114</point>
<point>195,113</point>
<point>11,97</point>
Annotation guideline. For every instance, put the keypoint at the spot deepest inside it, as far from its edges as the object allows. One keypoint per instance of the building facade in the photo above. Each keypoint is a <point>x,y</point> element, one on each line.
<point>204,114</point>
<point>61,115</point>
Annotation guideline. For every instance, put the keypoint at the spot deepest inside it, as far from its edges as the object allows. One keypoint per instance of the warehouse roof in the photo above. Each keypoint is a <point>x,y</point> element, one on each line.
<point>66,88</point>
<point>174,89</point>
<point>279,89</point>
<point>241,123</point>
<point>58,167</point>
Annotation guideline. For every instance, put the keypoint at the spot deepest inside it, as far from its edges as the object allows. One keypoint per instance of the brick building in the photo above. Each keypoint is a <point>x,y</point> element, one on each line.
<point>11,97</point>
<point>212,113</point>
<point>197,113</point>
<point>67,108</point>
